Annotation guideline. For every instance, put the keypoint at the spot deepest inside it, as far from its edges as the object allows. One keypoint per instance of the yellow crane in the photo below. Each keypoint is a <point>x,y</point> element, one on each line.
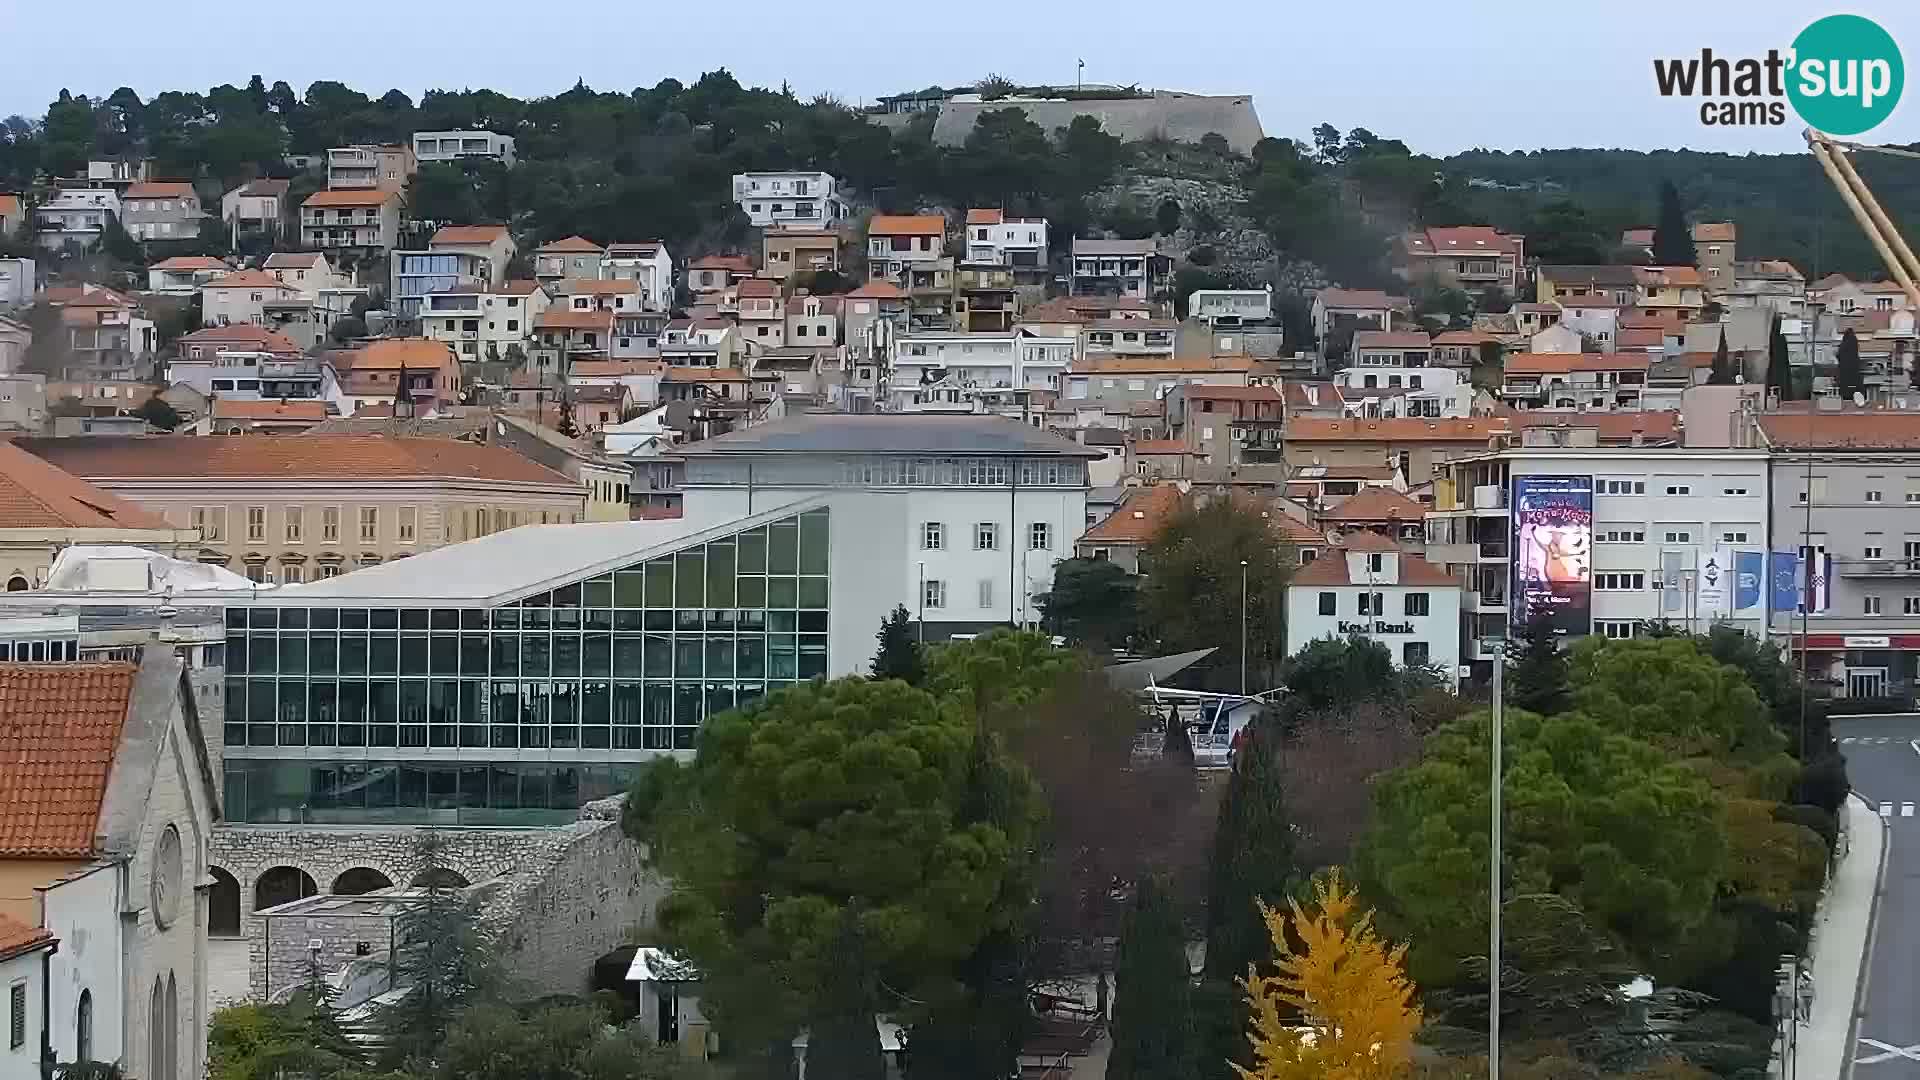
<point>1833,155</point>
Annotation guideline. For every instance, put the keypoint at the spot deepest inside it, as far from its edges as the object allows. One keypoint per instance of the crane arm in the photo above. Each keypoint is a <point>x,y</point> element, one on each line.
<point>1832,154</point>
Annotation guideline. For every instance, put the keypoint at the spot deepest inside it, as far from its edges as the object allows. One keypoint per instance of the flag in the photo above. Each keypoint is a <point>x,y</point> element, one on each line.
<point>1749,568</point>
<point>1817,570</point>
<point>1671,564</point>
<point>1711,592</point>
<point>1785,573</point>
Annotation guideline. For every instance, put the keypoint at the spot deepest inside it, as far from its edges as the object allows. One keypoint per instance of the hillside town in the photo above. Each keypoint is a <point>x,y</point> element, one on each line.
<point>361,565</point>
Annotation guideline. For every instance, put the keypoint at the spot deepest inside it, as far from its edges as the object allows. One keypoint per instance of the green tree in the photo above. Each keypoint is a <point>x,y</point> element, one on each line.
<point>1779,371</point>
<point>841,808</point>
<point>157,412</point>
<point>566,424</point>
<point>1166,216</point>
<point>347,328</point>
<point>1252,863</point>
<point>443,192</point>
<point>1723,373</point>
<point>1850,378</point>
<point>1152,1014</point>
<point>899,655</point>
<point>1562,232</point>
<point>1332,674</point>
<point>1094,603</point>
<point>1537,678</point>
<point>444,956</point>
<point>1193,599</point>
<point>301,1035</point>
<point>559,1041</point>
<point>1672,238</point>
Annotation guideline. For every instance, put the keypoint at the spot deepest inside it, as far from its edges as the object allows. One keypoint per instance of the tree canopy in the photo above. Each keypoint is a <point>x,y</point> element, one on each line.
<point>1193,595</point>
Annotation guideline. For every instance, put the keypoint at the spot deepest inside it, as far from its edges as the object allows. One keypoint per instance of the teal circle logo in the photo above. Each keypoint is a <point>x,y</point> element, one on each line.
<point>1846,75</point>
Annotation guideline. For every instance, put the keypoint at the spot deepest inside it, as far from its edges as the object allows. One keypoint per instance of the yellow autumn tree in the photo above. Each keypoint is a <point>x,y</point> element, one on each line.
<point>1338,1007</point>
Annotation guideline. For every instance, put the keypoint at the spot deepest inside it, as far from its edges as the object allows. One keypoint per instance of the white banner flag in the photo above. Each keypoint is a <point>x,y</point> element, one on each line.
<point>1713,584</point>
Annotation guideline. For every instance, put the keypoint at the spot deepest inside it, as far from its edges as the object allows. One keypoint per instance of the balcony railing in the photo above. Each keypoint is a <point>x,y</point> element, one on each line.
<point>1493,549</point>
<point>1880,567</point>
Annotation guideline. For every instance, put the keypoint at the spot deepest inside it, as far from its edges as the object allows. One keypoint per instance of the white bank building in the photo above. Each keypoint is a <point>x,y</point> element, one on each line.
<point>1370,587</point>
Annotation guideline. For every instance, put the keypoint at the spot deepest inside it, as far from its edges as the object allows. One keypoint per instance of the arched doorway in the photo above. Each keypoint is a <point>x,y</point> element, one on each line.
<point>359,881</point>
<point>223,904</point>
<point>282,885</point>
<point>16,583</point>
<point>83,1028</point>
<point>439,878</point>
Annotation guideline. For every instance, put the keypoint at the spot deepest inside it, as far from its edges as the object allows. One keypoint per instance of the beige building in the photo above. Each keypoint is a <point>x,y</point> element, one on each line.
<point>1714,253</point>
<point>1414,445</point>
<point>44,509</point>
<point>785,251</point>
<point>283,508</point>
<point>242,297</point>
<point>362,220</point>
<point>370,168</point>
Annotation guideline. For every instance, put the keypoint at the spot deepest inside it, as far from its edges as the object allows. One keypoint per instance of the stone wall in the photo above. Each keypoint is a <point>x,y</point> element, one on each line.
<point>282,955</point>
<point>1167,114</point>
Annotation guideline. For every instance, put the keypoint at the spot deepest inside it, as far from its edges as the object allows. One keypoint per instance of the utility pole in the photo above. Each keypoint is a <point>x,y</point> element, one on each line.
<point>1243,628</point>
<point>1493,877</point>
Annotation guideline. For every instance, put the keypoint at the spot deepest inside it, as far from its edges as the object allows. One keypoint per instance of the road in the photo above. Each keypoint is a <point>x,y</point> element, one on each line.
<point>1884,766</point>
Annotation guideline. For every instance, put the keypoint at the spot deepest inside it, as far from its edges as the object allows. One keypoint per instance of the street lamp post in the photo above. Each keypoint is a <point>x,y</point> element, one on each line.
<point>1243,628</point>
<point>1493,879</point>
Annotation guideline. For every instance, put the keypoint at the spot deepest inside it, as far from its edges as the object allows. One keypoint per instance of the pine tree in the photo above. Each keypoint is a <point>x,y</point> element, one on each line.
<point>1722,364</point>
<point>566,424</point>
<point>842,1039</point>
<point>1179,745</point>
<point>1152,1011</point>
<point>1850,378</point>
<point>1779,371</point>
<point>1252,862</point>
<point>1537,678</point>
<point>1339,1004</point>
<point>899,656</point>
<point>1672,240</point>
<point>444,956</point>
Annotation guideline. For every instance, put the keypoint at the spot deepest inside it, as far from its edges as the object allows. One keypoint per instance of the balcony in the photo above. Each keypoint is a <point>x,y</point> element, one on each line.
<point>1881,568</point>
<point>1493,550</point>
<point>1489,497</point>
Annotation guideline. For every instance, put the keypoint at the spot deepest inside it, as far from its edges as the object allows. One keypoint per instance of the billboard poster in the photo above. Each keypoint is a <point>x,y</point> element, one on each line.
<point>1552,556</point>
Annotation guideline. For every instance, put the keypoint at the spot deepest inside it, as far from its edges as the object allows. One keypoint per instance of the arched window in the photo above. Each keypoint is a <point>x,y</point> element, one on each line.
<point>223,905</point>
<point>359,881</point>
<point>282,885</point>
<point>16,583</point>
<point>173,1028</point>
<point>439,878</point>
<point>157,1032</point>
<point>83,1028</point>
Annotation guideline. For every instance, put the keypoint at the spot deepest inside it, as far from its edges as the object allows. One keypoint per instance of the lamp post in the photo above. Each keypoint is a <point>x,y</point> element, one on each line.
<point>1243,628</point>
<point>1493,881</point>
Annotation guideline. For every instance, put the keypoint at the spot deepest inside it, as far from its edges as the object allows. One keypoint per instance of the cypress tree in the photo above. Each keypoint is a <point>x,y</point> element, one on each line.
<point>1672,240</point>
<point>1537,676</point>
<point>899,655</point>
<point>1722,364</point>
<point>842,1038</point>
<point>1252,860</point>
<point>1850,378</point>
<point>1152,1011</point>
<point>1779,371</point>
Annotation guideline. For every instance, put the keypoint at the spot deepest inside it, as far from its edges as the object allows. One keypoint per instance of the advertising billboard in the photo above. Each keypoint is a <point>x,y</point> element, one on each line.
<point>1552,556</point>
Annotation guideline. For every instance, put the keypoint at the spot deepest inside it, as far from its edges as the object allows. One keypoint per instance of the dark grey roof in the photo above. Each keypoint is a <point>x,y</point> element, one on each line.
<point>1105,436</point>
<point>1140,674</point>
<point>1086,246</point>
<point>889,433</point>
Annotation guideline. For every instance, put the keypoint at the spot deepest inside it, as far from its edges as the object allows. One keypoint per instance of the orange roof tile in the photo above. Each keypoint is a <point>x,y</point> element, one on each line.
<point>243,336</point>
<point>36,495</point>
<point>1714,231</point>
<point>878,290</point>
<point>392,354</point>
<point>739,264</point>
<point>1375,503</point>
<point>1140,518</point>
<point>702,375</point>
<point>189,262</point>
<point>1848,429</point>
<point>1332,569</point>
<point>907,225</point>
<point>17,938</point>
<point>283,457</point>
<point>518,287</point>
<point>1562,363</point>
<point>1391,339</point>
<point>760,288</point>
<point>589,369</point>
<point>1395,429</point>
<point>984,217</point>
<point>570,244</point>
<point>62,729</point>
<point>246,279</point>
<point>468,234</point>
<point>344,197</point>
<point>160,189</point>
<point>564,319</point>
<point>237,409</point>
<point>1640,337</point>
<point>9,205</point>
<point>1161,446</point>
<point>1184,365</point>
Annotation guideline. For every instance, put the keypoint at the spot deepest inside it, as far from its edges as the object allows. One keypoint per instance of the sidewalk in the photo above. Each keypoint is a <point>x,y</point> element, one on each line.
<point>1838,950</point>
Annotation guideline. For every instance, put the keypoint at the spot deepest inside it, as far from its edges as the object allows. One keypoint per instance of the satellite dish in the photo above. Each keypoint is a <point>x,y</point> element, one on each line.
<point>1333,536</point>
<point>1859,398</point>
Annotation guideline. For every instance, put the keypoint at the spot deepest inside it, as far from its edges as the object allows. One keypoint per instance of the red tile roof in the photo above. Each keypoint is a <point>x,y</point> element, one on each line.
<point>285,457</point>
<point>1375,503</point>
<point>344,197</point>
<point>36,495</point>
<point>468,234</point>
<point>518,287</point>
<point>1332,569</point>
<point>392,354</point>
<point>237,409</point>
<point>17,938</point>
<point>1161,446</point>
<point>1391,339</point>
<point>246,279</point>
<point>160,189</point>
<point>878,290</point>
<point>1140,517</point>
<point>758,288</point>
<point>739,264</point>
<point>1562,363</point>
<point>1395,429</point>
<point>587,369</point>
<point>983,217</point>
<point>563,319</point>
<point>242,336</point>
<point>569,245</point>
<point>1847,429</point>
<point>1641,337</point>
<point>1714,231</point>
<point>60,727</point>
<point>907,225</point>
<point>1464,337</point>
<point>189,262</point>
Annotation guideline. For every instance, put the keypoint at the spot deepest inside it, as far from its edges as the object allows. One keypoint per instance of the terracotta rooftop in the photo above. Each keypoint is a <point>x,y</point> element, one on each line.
<point>243,336</point>
<point>1376,503</point>
<point>704,375</point>
<point>1464,337</point>
<point>1640,237</point>
<point>34,494</point>
<point>589,369</point>
<point>1332,568</point>
<point>189,262</point>
<point>761,288</point>
<point>570,245</point>
<point>348,197</point>
<point>9,205</point>
<point>246,279</point>
<point>238,409</point>
<point>1674,276</point>
<point>1139,518</point>
<point>878,290</point>
<point>1359,298</point>
<point>1848,429</point>
<point>294,260</point>
<point>983,217</point>
<point>1395,429</point>
<point>468,234</point>
<point>1562,363</point>
<point>283,457</point>
<point>392,354</point>
<point>563,319</point>
<point>1631,337</point>
<point>60,727</point>
<point>741,264</point>
<point>266,186</point>
<point>907,225</point>
<point>1144,365</point>
<point>160,189</point>
<point>518,287</point>
<point>1391,339</point>
<point>1714,232</point>
<point>1161,446</point>
<point>17,938</point>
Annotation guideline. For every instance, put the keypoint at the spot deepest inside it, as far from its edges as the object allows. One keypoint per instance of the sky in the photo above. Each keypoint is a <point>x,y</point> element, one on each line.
<point>1442,77</point>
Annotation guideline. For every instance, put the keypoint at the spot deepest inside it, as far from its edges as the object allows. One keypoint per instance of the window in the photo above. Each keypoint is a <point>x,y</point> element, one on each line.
<point>1376,563</point>
<point>1329,604</point>
<point>369,524</point>
<point>1619,582</point>
<point>986,592</point>
<point>1912,552</point>
<point>1619,535</point>
<point>1913,496</point>
<point>83,1028</point>
<point>409,523</point>
<point>1414,654</point>
<point>1873,496</point>
<point>295,521</point>
<point>1417,603</point>
<point>935,594</point>
<point>291,575</point>
<point>1040,536</point>
<point>986,536</point>
<point>1871,551</point>
<point>1614,629</point>
<point>1679,536</point>
<point>256,524</point>
<point>330,524</point>
<point>933,536</point>
<point>1623,487</point>
<point>329,571</point>
<point>17,1015</point>
<point>1869,605</point>
<point>1679,489</point>
<point>1910,605</point>
<point>1372,604</point>
<point>1740,490</point>
<point>1733,536</point>
<point>211,521</point>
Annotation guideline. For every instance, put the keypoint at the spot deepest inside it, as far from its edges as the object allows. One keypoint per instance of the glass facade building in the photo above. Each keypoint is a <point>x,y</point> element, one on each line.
<point>514,713</point>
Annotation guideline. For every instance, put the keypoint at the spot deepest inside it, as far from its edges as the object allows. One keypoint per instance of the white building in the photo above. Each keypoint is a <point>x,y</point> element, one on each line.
<point>24,951</point>
<point>241,297</point>
<point>1370,587</point>
<point>1230,306</point>
<point>462,145</point>
<point>308,273</point>
<point>480,322</point>
<point>994,238</point>
<point>789,198</point>
<point>75,217</point>
<point>1654,509</point>
<point>16,283</point>
<point>1015,360</point>
<point>183,275</point>
<point>1379,372</point>
<point>648,263</point>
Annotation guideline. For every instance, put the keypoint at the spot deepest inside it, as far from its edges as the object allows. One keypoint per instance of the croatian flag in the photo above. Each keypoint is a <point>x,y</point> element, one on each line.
<point>1819,594</point>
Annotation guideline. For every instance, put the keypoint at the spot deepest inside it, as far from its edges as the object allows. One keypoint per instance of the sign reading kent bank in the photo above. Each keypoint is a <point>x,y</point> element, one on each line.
<point>1378,626</point>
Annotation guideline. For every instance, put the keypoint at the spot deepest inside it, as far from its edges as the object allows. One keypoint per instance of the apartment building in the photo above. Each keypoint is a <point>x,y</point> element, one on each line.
<point>1143,338</point>
<point>1227,425</point>
<point>1014,242</point>
<point>1230,307</point>
<point>1129,268</point>
<point>413,377</point>
<point>370,168</point>
<point>648,263</point>
<point>1557,284</point>
<point>1118,384</point>
<point>1845,495</point>
<point>258,206</point>
<point>161,210</point>
<point>1473,258</point>
<point>358,221</point>
<point>786,250</point>
<point>458,146</point>
<point>491,248</point>
<point>484,322</point>
<point>988,297</point>
<point>714,273</point>
<point>108,337</point>
<point>1371,587</point>
<point>562,335</point>
<point>242,297</point>
<point>1715,250</point>
<point>789,198</point>
<point>1370,309</point>
<point>762,311</point>
<point>72,219</point>
<point>1575,380</point>
<point>574,256</point>
<point>1414,445</point>
<point>926,363</point>
<point>13,213</point>
<point>285,509</point>
<point>183,275</point>
<point>309,273</point>
<point>896,243</point>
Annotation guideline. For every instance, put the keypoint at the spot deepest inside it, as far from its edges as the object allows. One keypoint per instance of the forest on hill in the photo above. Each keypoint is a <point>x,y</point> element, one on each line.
<point>656,163</point>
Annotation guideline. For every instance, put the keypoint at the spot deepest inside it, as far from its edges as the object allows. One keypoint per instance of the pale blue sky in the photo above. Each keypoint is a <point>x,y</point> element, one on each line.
<point>1441,76</point>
